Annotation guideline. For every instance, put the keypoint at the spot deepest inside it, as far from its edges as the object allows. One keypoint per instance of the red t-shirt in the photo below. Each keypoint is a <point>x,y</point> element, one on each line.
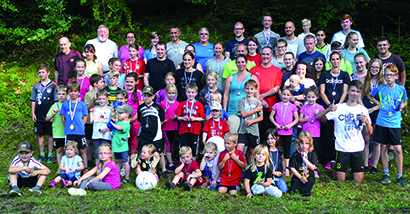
<point>197,111</point>
<point>257,59</point>
<point>235,171</point>
<point>216,128</point>
<point>137,66</point>
<point>268,78</point>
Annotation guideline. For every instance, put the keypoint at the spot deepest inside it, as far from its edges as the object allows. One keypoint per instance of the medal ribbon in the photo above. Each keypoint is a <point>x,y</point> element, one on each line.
<point>192,108</point>
<point>190,78</point>
<point>267,40</point>
<point>216,128</point>
<point>72,112</point>
<point>284,112</point>
<point>240,83</point>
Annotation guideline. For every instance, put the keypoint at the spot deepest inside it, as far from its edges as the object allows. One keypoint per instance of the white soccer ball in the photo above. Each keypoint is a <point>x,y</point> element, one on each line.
<point>146,180</point>
<point>220,143</point>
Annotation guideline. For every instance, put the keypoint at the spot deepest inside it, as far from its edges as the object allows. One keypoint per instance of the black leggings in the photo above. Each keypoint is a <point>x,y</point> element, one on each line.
<point>303,189</point>
<point>286,142</point>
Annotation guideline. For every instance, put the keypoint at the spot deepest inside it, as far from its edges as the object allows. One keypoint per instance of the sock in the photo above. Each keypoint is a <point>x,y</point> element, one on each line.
<point>38,186</point>
<point>399,175</point>
<point>41,153</point>
<point>386,171</point>
<point>14,186</point>
<point>50,154</point>
<point>163,170</point>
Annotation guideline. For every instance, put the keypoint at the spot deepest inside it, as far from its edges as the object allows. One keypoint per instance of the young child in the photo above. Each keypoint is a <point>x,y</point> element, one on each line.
<point>187,171</point>
<point>209,166</point>
<point>74,114</point>
<point>302,164</point>
<point>108,177</point>
<point>271,140</point>
<point>253,46</point>
<point>162,94</point>
<point>134,100</point>
<point>393,98</point>
<point>231,162</point>
<point>298,89</point>
<point>119,139</point>
<point>350,119</point>
<point>258,175</point>
<point>135,64</point>
<point>80,77</point>
<point>170,125</point>
<point>58,126</point>
<point>211,81</point>
<point>148,160</point>
<point>216,97</point>
<point>151,115</point>
<point>71,166</point>
<point>112,89</point>
<point>43,96</point>
<point>191,117</point>
<point>25,171</point>
<point>251,112</point>
<point>284,116</point>
<point>215,126</point>
<point>92,65</point>
<point>115,64</point>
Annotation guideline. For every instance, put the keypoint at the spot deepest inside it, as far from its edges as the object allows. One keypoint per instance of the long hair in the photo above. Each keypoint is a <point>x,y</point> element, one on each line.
<point>259,149</point>
<point>367,81</point>
<point>100,163</point>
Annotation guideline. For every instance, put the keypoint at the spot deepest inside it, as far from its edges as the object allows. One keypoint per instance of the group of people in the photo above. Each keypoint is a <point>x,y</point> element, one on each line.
<point>287,102</point>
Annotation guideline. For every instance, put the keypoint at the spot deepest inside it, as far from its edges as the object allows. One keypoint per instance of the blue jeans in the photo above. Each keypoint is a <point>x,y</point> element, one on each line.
<point>95,185</point>
<point>281,184</point>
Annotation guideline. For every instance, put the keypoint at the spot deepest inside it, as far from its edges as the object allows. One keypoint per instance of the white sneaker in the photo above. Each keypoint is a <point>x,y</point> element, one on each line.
<point>122,172</point>
<point>75,191</point>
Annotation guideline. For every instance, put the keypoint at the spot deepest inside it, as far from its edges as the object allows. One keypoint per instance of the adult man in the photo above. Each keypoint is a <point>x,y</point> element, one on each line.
<point>231,68</point>
<point>157,68</point>
<point>230,47</point>
<point>346,23</point>
<point>176,47</point>
<point>387,57</point>
<point>105,49</point>
<point>321,46</point>
<point>310,54</point>
<point>295,45</point>
<point>267,37</point>
<point>204,49</point>
<point>270,80</point>
<point>64,62</point>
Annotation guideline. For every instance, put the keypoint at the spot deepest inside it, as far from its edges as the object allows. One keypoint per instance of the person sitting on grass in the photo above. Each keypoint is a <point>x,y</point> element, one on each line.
<point>209,166</point>
<point>23,171</point>
<point>147,160</point>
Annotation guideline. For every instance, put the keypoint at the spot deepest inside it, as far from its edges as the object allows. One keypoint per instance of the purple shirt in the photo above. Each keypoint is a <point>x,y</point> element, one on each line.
<point>309,112</point>
<point>284,116</point>
<point>124,54</point>
<point>113,177</point>
<point>64,65</point>
<point>162,94</point>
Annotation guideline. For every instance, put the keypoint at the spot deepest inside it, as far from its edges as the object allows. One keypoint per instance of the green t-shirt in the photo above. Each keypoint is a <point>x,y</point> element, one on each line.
<point>231,68</point>
<point>89,96</point>
<point>119,138</point>
<point>58,127</point>
<point>344,66</point>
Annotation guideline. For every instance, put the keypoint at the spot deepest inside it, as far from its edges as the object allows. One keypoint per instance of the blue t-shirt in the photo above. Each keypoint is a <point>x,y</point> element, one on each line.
<point>203,53</point>
<point>350,56</point>
<point>308,58</point>
<point>148,55</point>
<point>74,126</point>
<point>388,105</point>
<point>224,114</point>
<point>231,47</point>
<point>72,164</point>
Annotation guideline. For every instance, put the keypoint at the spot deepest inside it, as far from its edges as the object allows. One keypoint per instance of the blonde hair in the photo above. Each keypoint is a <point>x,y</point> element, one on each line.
<point>380,78</point>
<point>231,136</point>
<point>259,149</point>
<point>215,93</point>
<point>171,87</point>
<point>306,20</point>
<point>113,73</point>
<point>72,144</point>
<point>151,148</point>
<point>100,163</point>
<point>184,150</point>
<point>212,74</point>
<point>306,135</point>
<point>212,146</point>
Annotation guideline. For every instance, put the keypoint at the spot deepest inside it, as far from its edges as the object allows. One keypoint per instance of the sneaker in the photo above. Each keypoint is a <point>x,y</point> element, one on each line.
<point>401,181</point>
<point>327,166</point>
<point>36,191</point>
<point>169,184</point>
<point>385,179</point>
<point>332,164</point>
<point>50,159</point>
<point>41,158</point>
<point>58,171</point>
<point>122,172</point>
<point>391,154</point>
<point>15,191</point>
<point>366,170</point>
<point>166,175</point>
<point>134,161</point>
<point>286,172</point>
<point>316,174</point>
<point>75,191</point>
<point>171,168</point>
<point>63,183</point>
<point>52,183</point>
<point>125,181</point>
<point>187,186</point>
<point>373,170</point>
<point>85,171</point>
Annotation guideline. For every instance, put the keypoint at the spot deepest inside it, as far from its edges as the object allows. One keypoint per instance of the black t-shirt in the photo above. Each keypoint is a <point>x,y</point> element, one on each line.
<point>194,66</point>
<point>157,71</point>
<point>275,157</point>
<point>150,118</point>
<point>327,79</point>
<point>296,162</point>
<point>196,77</point>
<point>261,172</point>
<point>146,165</point>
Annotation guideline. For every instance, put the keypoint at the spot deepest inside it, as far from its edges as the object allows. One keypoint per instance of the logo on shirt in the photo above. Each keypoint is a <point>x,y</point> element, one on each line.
<point>337,81</point>
<point>49,90</point>
<point>71,60</point>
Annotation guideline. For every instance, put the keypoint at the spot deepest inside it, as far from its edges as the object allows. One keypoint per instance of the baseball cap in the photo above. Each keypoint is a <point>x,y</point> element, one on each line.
<point>24,147</point>
<point>216,106</point>
<point>125,109</point>
<point>148,90</point>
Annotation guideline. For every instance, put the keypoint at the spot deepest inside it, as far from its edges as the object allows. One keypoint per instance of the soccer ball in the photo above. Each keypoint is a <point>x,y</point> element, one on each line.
<point>220,143</point>
<point>146,180</point>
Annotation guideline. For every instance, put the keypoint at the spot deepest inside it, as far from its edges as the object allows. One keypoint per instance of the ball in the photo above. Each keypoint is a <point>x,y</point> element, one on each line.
<point>220,143</point>
<point>146,180</point>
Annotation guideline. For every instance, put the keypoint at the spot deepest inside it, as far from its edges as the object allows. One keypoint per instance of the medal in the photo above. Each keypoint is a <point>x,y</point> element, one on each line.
<point>240,83</point>
<point>312,121</point>
<point>390,114</point>
<point>334,93</point>
<point>189,125</point>
<point>220,127</point>
<point>147,126</point>
<point>239,93</point>
<point>229,175</point>
<point>72,113</point>
<point>282,127</point>
<point>39,102</point>
<point>72,127</point>
<point>190,112</point>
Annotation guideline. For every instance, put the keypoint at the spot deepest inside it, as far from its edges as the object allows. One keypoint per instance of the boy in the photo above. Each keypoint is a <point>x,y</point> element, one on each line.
<point>251,112</point>
<point>289,60</point>
<point>74,115</point>
<point>54,116</point>
<point>350,119</point>
<point>151,116</point>
<point>231,162</point>
<point>43,96</point>
<point>344,64</point>
<point>321,46</point>
<point>23,171</point>
<point>112,88</point>
<point>191,116</point>
<point>393,98</point>
<point>306,25</point>
<point>215,126</point>
<point>216,97</point>
<point>115,64</point>
<point>119,139</point>
<point>188,171</point>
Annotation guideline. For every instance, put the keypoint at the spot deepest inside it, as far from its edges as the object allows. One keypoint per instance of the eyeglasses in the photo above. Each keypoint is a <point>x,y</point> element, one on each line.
<point>104,153</point>
<point>373,67</point>
<point>389,75</point>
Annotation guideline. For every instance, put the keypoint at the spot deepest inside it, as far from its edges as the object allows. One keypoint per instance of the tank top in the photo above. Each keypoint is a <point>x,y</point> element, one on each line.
<point>234,97</point>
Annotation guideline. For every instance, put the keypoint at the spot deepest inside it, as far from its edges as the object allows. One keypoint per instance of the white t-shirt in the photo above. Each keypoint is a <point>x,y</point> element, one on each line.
<point>341,37</point>
<point>101,119</point>
<point>32,163</point>
<point>348,134</point>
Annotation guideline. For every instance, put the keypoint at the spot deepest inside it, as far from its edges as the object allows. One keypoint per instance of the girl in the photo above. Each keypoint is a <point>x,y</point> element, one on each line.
<point>209,166</point>
<point>361,70</point>
<point>79,76</point>
<point>162,94</point>
<point>211,83</point>
<point>170,126</point>
<point>317,69</point>
<point>253,56</point>
<point>302,165</point>
<point>195,64</point>
<point>272,141</point>
<point>217,63</point>
<point>188,74</point>
<point>93,66</point>
<point>147,161</point>
<point>135,64</point>
<point>284,116</point>
<point>152,52</point>
<point>258,175</point>
<point>108,177</point>
<point>134,100</point>
<point>71,166</point>
<point>351,49</point>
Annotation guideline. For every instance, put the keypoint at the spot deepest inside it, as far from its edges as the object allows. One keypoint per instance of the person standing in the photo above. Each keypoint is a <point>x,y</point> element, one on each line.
<point>230,47</point>
<point>311,53</point>
<point>267,37</point>
<point>64,62</point>
<point>204,49</point>
<point>295,45</point>
<point>176,47</point>
<point>346,23</point>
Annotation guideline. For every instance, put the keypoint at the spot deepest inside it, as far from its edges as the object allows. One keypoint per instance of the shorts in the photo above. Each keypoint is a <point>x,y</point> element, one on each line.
<point>387,136</point>
<point>144,141</point>
<point>122,155</point>
<point>64,176</point>
<point>26,182</point>
<point>97,143</point>
<point>170,137</point>
<point>80,139</point>
<point>89,131</point>
<point>249,140</point>
<point>59,142</point>
<point>191,140</point>
<point>237,188</point>
<point>373,118</point>
<point>198,182</point>
<point>344,158</point>
<point>43,128</point>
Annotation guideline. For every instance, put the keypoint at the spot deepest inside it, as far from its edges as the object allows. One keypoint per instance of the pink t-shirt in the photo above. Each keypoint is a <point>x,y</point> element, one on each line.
<point>113,177</point>
<point>134,102</point>
<point>162,95</point>
<point>84,87</point>
<point>170,109</point>
<point>309,112</point>
<point>284,116</point>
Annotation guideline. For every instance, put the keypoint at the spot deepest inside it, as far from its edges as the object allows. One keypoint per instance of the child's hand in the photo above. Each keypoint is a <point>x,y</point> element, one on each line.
<point>182,162</point>
<point>28,169</point>
<point>76,183</point>
<point>125,65</point>
<point>303,179</point>
<point>297,104</point>
<point>189,178</point>
<point>260,183</point>
<point>92,109</point>
<point>55,111</point>
<point>248,123</point>
<point>105,130</point>
<point>213,183</point>
<point>277,174</point>
<point>33,173</point>
<point>259,107</point>
<point>185,118</point>
<point>278,127</point>
<point>67,171</point>
<point>174,117</point>
<point>287,127</point>
<point>249,195</point>
<point>333,107</point>
<point>227,156</point>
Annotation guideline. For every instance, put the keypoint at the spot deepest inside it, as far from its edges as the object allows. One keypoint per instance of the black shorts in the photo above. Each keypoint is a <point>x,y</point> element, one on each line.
<point>59,142</point>
<point>26,182</point>
<point>191,140</point>
<point>89,131</point>
<point>142,141</point>
<point>43,128</point>
<point>237,188</point>
<point>249,140</point>
<point>387,136</point>
<point>344,158</point>
<point>80,139</point>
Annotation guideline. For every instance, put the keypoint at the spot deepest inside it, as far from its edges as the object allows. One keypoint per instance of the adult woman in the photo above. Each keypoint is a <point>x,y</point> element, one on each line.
<point>351,49</point>
<point>152,52</point>
<point>204,49</point>
<point>235,86</point>
<point>317,69</point>
<point>301,69</point>
<point>278,60</point>
<point>187,75</point>
<point>253,56</point>
<point>217,64</point>
<point>196,65</point>
<point>124,52</point>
